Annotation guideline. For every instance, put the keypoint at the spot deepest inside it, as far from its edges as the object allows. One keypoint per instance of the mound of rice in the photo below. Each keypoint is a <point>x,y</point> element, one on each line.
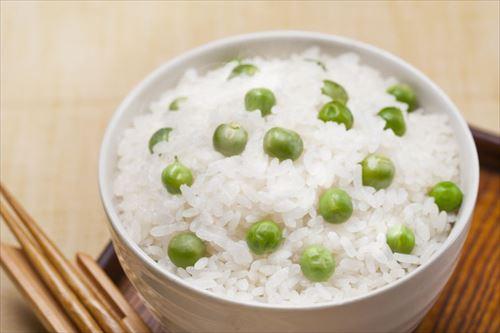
<point>229,194</point>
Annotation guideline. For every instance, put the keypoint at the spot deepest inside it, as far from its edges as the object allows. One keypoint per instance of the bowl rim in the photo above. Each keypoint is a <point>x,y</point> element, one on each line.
<point>114,220</point>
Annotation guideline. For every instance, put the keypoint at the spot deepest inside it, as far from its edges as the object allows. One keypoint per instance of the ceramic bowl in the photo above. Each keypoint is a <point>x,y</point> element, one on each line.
<point>397,307</point>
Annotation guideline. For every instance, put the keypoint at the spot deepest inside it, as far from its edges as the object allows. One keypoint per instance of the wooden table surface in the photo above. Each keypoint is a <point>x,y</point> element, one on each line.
<point>66,65</point>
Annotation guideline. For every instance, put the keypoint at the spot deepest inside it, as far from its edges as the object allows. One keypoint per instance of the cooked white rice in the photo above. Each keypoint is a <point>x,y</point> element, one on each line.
<point>229,194</point>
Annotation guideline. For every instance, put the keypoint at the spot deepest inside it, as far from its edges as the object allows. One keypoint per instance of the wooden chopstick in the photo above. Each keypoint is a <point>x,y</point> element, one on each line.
<point>110,293</point>
<point>104,316</point>
<point>69,302</point>
<point>97,289</point>
<point>50,313</point>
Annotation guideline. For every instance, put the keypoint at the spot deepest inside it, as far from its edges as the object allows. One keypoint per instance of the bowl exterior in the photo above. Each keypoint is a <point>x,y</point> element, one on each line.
<point>394,308</point>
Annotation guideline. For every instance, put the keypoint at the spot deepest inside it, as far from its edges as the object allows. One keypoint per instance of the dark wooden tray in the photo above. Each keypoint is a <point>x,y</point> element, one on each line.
<point>470,300</point>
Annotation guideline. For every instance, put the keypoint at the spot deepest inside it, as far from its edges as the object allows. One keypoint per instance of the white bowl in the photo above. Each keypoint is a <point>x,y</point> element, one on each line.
<point>397,307</point>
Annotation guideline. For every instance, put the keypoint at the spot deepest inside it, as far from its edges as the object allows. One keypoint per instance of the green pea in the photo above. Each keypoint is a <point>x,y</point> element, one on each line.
<point>400,239</point>
<point>283,144</point>
<point>174,105</point>
<point>185,249</point>
<point>337,112</point>
<point>335,205</point>
<point>175,175</point>
<point>447,196</point>
<point>394,120</point>
<point>264,237</point>
<point>317,62</point>
<point>404,93</point>
<point>377,171</point>
<point>243,69</point>
<point>230,139</point>
<point>335,91</point>
<point>260,99</point>
<point>317,263</point>
<point>160,135</point>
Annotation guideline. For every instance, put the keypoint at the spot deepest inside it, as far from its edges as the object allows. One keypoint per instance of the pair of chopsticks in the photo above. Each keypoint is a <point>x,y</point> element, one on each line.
<point>82,302</point>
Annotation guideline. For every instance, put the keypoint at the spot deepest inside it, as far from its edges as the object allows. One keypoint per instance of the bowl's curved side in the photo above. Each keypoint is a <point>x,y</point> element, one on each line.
<point>398,306</point>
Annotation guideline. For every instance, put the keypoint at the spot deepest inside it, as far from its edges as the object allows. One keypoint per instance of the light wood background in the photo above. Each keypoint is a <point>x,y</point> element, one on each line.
<point>65,66</point>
